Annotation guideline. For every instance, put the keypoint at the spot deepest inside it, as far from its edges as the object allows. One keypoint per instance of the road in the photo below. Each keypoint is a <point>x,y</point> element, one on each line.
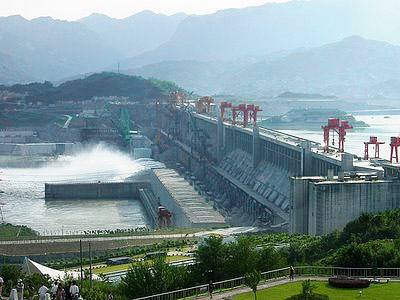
<point>69,118</point>
<point>224,232</point>
<point>116,276</point>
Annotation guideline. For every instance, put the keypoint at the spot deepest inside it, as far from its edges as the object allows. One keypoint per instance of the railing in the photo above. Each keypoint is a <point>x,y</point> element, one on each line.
<point>313,271</point>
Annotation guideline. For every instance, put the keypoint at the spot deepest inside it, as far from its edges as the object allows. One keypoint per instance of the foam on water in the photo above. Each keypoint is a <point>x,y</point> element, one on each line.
<point>23,198</point>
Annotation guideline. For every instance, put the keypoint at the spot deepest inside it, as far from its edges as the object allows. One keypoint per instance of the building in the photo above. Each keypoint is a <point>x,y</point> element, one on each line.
<point>319,205</point>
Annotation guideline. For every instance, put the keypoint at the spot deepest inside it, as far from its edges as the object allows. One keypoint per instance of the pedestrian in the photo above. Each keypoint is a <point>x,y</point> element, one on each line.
<point>74,290</point>
<point>31,291</point>
<point>67,293</point>
<point>210,288</point>
<point>110,296</point>
<point>20,289</point>
<point>291,273</point>
<point>54,288</point>
<point>13,295</point>
<point>1,287</point>
<point>60,292</point>
<point>42,292</point>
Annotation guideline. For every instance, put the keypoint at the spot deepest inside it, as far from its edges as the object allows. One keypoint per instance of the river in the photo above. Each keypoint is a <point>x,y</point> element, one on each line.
<point>23,200</point>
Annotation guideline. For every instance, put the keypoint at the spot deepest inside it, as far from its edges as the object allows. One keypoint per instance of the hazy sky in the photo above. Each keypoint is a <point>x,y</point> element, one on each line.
<point>75,9</point>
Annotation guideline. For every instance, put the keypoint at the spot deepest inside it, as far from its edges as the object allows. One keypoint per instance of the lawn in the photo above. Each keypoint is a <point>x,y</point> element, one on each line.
<point>374,292</point>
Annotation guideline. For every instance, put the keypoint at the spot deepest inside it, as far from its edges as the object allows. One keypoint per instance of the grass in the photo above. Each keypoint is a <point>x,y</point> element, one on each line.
<point>374,292</point>
<point>16,231</point>
<point>125,267</point>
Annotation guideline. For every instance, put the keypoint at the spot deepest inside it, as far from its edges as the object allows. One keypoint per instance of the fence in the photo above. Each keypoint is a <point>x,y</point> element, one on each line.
<point>277,275</point>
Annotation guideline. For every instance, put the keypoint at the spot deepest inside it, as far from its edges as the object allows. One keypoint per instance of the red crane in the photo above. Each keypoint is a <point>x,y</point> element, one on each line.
<point>253,114</point>
<point>235,112</point>
<point>344,125</point>
<point>340,128</point>
<point>373,140</point>
<point>223,106</point>
<point>394,145</point>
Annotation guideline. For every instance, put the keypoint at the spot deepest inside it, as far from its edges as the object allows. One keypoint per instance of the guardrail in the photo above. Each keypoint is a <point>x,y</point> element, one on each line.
<point>277,275</point>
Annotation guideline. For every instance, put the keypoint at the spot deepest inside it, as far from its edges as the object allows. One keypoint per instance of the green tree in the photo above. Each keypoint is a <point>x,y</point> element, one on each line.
<point>211,257</point>
<point>252,280</point>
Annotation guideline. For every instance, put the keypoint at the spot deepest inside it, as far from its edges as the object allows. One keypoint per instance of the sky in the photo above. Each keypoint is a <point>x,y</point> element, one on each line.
<point>75,9</point>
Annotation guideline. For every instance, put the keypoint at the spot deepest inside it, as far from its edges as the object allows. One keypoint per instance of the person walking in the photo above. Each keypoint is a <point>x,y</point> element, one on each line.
<point>110,296</point>
<point>31,291</point>
<point>74,290</point>
<point>291,273</point>
<point>60,292</point>
<point>54,289</point>
<point>20,289</point>
<point>67,293</point>
<point>42,292</point>
<point>1,287</point>
<point>210,289</point>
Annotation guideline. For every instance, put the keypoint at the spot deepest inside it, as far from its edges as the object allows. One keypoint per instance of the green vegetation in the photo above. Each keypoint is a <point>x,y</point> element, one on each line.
<point>252,279</point>
<point>9,230</point>
<point>382,291</point>
<point>124,267</point>
<point>99,84</point>
<point>130,252</point>
<point>307,293</point>
<point>370,241</point>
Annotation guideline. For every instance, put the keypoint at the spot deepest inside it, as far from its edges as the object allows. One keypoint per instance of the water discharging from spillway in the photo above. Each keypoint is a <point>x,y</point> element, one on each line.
<point>23,202</point>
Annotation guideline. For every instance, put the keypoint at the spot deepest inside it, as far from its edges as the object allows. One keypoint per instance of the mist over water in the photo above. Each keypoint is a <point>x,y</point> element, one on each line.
<point>23,198</point>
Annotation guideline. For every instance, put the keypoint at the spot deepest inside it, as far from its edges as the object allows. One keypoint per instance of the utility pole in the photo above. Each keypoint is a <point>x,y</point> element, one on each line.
<point>80,251</point>
<point>90,263</point>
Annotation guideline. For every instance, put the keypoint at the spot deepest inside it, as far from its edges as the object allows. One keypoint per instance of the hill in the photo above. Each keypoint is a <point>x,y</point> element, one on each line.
<point>255,31</point>
<point>48,49</point>
<point>352,66</point>
<point>136,34</point>
<point>100,84</point>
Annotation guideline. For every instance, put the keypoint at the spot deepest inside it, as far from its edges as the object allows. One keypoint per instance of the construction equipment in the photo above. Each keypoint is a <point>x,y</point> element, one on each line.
<point>373,140</point>
<point>253,114</point>
<point>158,122</point>
<point>394,145</point>
<point>207,101</point>
<point>223,106</point>
<point>340,128</point>
<point>236,110</point>
<point>164,217</point>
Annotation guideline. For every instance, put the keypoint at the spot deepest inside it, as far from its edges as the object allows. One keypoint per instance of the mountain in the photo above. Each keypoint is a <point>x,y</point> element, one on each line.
<point>136,34</point>
<point>98,84</point>
<point>352,66</point>
<point>13,70</point>
<point>52,48</point>
<point>255,31</point>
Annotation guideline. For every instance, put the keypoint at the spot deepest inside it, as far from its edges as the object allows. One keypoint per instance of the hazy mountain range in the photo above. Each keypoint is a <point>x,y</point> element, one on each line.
<point>351,67</point>
<point>303,46</point>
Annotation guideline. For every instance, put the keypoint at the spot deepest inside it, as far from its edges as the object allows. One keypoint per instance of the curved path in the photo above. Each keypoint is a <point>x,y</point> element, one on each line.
<point>265,285</point>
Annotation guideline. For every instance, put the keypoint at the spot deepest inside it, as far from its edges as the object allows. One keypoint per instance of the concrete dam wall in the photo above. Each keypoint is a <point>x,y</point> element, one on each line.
<point>160,187</point>
<point>95,190</point>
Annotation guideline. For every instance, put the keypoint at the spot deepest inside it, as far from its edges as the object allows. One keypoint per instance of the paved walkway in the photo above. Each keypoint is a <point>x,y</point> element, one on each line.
<point>266,285</point>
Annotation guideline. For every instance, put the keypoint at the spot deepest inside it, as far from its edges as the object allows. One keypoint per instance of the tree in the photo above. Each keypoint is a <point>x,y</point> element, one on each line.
<point>252,280</point>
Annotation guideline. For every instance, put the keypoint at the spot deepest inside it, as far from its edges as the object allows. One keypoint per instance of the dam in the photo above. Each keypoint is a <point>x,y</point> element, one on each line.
<point>250,168</point>
<point>249,175</point>
<point>169,200</point>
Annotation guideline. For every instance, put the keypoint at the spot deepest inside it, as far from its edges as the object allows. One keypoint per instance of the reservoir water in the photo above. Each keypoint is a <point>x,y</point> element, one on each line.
<point>23,200</point>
